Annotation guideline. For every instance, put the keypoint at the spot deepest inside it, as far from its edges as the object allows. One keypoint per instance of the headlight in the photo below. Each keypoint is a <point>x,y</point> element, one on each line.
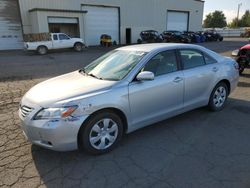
<point>55,113</point>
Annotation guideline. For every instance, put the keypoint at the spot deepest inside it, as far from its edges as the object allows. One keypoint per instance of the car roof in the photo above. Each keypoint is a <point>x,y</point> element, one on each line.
<point>157,46</point>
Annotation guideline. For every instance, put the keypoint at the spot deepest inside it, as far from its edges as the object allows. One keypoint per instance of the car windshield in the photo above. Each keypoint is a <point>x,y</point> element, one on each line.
<point>114,65</point>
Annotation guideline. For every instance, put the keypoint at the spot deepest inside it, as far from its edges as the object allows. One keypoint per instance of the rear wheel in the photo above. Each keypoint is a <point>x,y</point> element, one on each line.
<point>42,50</point>
<point>101,133</point>
<point>78,47</point>
<point>218,97</point>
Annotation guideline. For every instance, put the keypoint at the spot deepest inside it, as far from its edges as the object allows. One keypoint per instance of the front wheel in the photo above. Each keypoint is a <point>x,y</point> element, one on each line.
<point>218,97</point>
<point>78,47</point>
<point>101,133</point>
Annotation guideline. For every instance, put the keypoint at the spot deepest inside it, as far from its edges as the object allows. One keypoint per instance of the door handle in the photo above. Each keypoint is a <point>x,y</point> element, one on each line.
<point>178,79</point>
<point>215,69</point>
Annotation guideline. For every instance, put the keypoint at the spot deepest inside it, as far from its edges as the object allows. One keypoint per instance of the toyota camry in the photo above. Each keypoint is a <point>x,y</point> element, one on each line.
<point>124,90</point>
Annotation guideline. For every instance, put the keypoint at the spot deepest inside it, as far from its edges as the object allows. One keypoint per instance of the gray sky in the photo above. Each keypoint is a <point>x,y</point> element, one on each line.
<point>229,7</point>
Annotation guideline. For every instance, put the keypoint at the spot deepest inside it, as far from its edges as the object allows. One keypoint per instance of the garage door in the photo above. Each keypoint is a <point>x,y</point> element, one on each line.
<point>65,25</point>
<point>101,20</point>
<point>10,25</point>
<point>177,20</point>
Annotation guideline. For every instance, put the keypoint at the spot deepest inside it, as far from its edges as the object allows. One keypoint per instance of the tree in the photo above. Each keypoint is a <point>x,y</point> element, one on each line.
<point>244,21</point>
<point>233,24</point>
<point>215,19</point>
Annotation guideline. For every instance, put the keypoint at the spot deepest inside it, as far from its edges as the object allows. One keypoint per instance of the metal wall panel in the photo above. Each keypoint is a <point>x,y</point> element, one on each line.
<point>137,14</point>
<point>62,20</point>
<point>10,25</point>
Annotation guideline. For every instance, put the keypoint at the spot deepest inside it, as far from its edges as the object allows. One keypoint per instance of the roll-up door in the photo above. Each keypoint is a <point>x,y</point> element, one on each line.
<point>10,25</point>
<point>177,20</point>
<point>101,20</point>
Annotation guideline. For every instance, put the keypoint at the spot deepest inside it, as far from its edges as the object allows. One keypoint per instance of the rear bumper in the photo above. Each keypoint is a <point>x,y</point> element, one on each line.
<point>234,82</point>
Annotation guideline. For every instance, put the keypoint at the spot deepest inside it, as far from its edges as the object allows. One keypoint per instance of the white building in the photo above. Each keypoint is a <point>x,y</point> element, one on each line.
<point>122,19</point>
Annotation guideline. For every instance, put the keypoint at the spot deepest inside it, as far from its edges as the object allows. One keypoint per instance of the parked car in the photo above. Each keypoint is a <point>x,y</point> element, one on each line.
<point>56,41</point>
<point>195,38</point>
<point>212,35</point>
<point>106,40</point>
<point>150,36</point>
<point>202,36</point>
<point>246,33</point>
<point>176,36</point>
<point>122,91</point>
<point>242,56</point>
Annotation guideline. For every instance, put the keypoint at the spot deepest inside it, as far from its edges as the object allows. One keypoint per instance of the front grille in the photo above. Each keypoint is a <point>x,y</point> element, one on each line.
<point>25,110</point>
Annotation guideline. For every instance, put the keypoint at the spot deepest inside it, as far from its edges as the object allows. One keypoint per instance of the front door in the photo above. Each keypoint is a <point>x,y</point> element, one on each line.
<point>152,101</point>
<point>64,41</point>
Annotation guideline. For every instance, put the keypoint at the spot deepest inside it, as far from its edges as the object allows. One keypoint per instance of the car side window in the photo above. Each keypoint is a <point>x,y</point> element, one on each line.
<point>162,63</point>
<point>209,60</point>
<point>55,37</point>
<point>63,37</point>
<point>191,59</point>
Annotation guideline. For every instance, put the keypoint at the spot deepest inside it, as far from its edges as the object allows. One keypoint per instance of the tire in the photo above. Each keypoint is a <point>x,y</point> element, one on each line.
<point>104,137</point>
<point>218,97</point>
<point>42,50</point>
<point>78,47</point>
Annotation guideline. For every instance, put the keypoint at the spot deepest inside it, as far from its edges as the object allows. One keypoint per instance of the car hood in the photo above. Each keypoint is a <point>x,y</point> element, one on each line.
<point>65,87</point>
<point>246,47</point>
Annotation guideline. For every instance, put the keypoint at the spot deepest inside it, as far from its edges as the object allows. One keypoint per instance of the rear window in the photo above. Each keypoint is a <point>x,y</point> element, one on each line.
<point>191,59</point>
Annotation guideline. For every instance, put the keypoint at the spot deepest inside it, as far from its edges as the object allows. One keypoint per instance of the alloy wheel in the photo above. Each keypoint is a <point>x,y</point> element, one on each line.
<point>220,96</point>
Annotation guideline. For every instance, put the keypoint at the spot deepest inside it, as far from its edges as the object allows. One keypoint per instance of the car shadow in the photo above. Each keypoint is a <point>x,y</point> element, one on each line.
<point>180,148</point>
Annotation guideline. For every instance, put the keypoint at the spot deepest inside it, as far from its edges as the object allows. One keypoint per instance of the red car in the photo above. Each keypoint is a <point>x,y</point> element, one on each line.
<point>242,57</point>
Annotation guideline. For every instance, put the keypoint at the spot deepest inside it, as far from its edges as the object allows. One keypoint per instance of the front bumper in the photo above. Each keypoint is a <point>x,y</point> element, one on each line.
<point>58,135</point>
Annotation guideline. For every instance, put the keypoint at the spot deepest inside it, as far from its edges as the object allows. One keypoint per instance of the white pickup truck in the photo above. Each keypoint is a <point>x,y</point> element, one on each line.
<point>58,41</point>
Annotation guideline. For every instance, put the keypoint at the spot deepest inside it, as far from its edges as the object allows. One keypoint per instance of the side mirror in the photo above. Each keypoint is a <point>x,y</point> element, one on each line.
<point>235,53</point>
<point>145,76</point>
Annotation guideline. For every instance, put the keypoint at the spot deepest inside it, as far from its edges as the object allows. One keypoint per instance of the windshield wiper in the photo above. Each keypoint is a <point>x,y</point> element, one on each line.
<point>82,71</point>
<point>94,76</point>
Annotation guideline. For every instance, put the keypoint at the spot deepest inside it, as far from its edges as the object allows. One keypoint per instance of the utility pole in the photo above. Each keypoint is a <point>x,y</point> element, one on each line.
<point>238,13</point>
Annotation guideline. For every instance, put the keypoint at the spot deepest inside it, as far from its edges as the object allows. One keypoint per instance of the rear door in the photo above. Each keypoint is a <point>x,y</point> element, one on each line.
<point>200,73</point>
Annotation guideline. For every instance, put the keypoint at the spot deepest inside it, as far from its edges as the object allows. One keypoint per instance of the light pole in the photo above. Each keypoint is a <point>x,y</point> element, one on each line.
<point>238,13</point>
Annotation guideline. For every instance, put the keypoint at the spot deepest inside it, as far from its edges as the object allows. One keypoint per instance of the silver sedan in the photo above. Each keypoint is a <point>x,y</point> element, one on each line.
<point>122,91</point>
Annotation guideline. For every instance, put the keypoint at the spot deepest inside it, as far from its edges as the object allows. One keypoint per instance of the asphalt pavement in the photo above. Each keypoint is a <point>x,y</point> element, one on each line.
<point>198,149</point>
